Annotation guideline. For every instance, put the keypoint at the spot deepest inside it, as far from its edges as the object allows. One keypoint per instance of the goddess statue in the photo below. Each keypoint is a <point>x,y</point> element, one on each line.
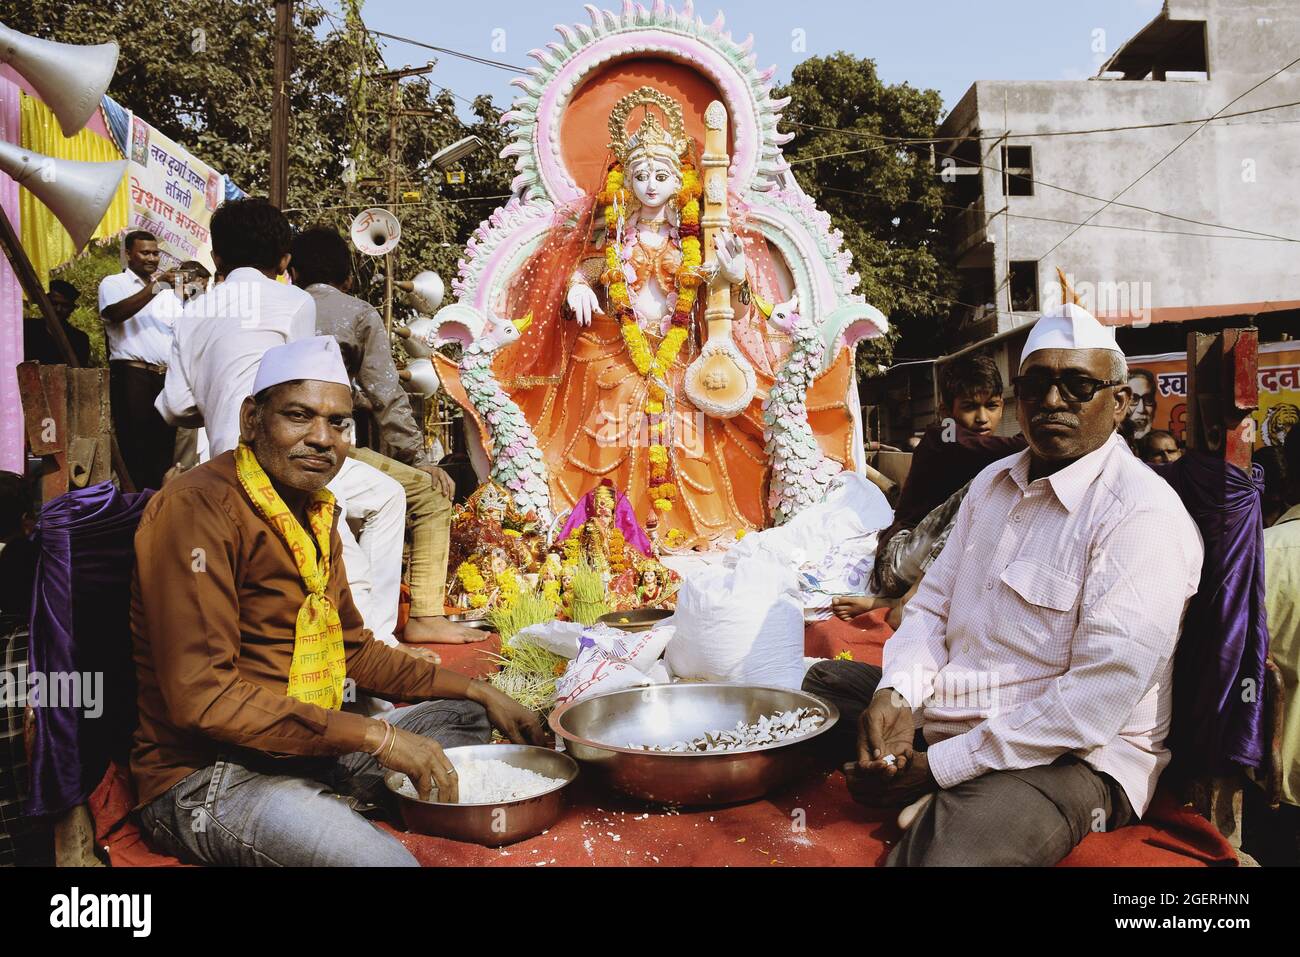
<point>679,221</point>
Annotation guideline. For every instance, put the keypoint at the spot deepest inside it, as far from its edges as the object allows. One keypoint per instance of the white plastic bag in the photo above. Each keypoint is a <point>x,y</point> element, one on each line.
<point>641,649</point>
<point>557,637</point>
<point>853,507</point>
<point>609,659</point>
<point>593,673</point>
<point>741,624</point>
<point>833,543</point>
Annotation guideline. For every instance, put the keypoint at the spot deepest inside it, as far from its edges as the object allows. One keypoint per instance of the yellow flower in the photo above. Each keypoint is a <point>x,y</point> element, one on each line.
<point>690,182</point>
<point>637,346</point>
<point>669,348</point>
<point>691,255</point>
<point>469,577</point>
<point>658,455</point>
<point>477,601</point>
<point>844,655</point>
<point>663,505</point>
<point>654,407</point>
<point>690,214</point>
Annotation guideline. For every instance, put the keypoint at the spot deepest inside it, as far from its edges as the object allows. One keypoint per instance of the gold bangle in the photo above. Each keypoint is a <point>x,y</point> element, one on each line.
<point>382,741</point>
<point>389,756</point>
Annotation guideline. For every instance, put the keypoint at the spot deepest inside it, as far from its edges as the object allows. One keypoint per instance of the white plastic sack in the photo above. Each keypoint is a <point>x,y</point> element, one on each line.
<point>852,508</point>
<point>844,570</point>
<point>741,624</point>
<point>609,659</point>
<point>833,543</point>
<point>641,649</point>
<point>592,673</point>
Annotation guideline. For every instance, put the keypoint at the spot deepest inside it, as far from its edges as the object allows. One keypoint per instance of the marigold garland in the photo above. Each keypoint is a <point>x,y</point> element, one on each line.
<point>654,366</point>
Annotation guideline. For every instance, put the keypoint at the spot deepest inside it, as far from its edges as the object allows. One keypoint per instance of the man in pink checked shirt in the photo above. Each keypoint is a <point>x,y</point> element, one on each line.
<point>1027,691</point>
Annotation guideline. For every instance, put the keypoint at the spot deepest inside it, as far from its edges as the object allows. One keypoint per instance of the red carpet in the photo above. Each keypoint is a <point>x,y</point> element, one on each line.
<point>813,824</point>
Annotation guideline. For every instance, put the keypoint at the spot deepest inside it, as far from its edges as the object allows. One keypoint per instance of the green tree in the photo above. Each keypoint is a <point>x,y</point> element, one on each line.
<point>202,72</point>
<point>881,193</point>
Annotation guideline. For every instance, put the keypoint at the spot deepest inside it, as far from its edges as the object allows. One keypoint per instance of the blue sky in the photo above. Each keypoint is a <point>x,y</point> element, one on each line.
<point>944,44</point>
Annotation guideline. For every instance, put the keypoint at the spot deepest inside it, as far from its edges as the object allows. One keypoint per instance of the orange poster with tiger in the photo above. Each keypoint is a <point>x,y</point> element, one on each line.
<point>1159,384</point>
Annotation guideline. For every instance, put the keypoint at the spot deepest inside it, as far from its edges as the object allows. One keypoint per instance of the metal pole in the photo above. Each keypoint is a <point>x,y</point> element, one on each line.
<point>394,102</point>
<point>279,172</point>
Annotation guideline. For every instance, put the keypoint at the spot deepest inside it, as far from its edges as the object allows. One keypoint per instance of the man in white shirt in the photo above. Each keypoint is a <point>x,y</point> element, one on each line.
<point>218,344</point>
<point>1036,657</point>
<point>139,309</point>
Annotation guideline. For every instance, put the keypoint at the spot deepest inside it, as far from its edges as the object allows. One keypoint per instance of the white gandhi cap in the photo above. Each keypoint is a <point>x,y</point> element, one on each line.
<point>316,358</point>
<point>1069,326</point>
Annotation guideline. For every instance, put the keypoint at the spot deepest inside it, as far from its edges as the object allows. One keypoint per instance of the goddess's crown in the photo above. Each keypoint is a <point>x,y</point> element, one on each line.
<point>650,137</point>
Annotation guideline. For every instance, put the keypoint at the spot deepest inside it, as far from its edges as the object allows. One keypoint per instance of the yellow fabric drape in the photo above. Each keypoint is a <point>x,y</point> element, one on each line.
<point>319,666</point>
<point>43,236</point>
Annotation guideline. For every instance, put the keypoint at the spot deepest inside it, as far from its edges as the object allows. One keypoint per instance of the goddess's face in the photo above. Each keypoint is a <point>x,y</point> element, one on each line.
<point>654,181</point>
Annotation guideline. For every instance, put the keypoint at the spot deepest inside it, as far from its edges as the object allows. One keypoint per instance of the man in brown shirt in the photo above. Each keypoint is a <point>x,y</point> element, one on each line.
<point>229,768</point>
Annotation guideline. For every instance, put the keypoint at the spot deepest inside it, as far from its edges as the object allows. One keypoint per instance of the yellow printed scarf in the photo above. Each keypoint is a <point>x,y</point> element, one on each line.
<point>319,661</point>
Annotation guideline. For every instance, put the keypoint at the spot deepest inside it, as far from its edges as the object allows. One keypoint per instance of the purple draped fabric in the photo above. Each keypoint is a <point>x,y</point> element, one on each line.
<point>80,624</point>
<point>624,520</point>
<point>1219,666</point>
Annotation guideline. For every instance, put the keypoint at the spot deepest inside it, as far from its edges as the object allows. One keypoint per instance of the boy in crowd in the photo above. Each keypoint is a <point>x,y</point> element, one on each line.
<point>951,453</point>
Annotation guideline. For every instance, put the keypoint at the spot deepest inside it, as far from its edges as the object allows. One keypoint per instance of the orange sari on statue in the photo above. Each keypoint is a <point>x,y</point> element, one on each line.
<point>581,393</point>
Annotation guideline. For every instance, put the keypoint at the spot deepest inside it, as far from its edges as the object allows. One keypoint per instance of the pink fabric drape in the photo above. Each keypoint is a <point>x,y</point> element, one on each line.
<point>11,300</point>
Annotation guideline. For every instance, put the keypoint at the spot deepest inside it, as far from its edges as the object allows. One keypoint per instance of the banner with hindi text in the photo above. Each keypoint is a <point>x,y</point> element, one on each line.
<point>1159,384</point>
<point>172,194</point>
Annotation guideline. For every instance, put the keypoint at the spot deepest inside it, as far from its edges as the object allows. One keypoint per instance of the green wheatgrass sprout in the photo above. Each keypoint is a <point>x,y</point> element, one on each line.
<point>527,609</point>
<point>528,674</point>
<point>588,594</point>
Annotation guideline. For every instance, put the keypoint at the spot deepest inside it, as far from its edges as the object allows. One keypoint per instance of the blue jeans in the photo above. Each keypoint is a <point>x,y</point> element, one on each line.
<point>252,811</point>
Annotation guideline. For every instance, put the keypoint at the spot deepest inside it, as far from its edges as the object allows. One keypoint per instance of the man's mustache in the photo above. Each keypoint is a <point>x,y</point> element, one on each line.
<point>312,454</point>
<point>1055,418</point>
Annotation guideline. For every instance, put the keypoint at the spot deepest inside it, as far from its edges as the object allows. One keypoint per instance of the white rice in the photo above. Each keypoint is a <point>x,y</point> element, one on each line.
<point>491,782</point>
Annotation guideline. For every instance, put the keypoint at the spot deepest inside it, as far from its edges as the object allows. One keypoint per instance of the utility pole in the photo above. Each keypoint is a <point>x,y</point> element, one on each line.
<point>279,186</point>
<point>395,113</point>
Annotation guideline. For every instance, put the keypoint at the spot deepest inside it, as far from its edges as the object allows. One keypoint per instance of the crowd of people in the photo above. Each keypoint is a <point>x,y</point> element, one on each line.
<point>1039,582</point>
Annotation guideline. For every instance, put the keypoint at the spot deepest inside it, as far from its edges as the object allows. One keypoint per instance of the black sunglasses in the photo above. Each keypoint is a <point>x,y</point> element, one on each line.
<point>1073,386</point>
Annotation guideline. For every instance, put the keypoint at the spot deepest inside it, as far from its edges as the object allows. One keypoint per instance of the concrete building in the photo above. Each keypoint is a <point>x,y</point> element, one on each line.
<point>1200,228</point>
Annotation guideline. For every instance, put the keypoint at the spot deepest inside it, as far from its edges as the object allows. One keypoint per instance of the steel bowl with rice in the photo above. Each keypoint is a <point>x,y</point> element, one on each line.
<point>491,823</point>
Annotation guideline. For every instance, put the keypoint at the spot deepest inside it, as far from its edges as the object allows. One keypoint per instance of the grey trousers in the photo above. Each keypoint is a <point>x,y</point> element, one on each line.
<point>249,810</point>
<point>1031,817</point>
